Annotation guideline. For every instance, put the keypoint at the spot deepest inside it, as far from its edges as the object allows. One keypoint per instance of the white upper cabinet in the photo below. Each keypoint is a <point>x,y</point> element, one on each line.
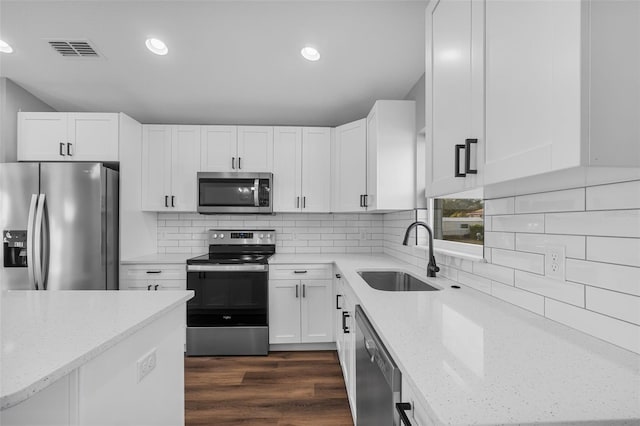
<point>350,167</point>
<point>170,161</point>
<point>218,148</point>
<point>302,169</point>
<point>61,136</point>
<point>391,153</point>
<point>454,94</point>
<point>374,160</point>
<point>562,86</point>
<point>255,149</point>
<point>236,149</point>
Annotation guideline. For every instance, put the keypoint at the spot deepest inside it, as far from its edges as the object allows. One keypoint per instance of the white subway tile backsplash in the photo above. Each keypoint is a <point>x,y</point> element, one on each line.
<point>616,223</point>
<point>524,299</point>
<point>623,251</point>
<point>494,272</point>
<point>625,195</point>
<point>575,246</point>
<point>544,286</point>
<point>614,331</point>
<point>613,304</point>
<point>519,260</point>
<point>625,279</point>
<point>499,206</point>
<point>518,223</point>
<point>503,240</point>
<point>474,281</point>
<point>557,201</point>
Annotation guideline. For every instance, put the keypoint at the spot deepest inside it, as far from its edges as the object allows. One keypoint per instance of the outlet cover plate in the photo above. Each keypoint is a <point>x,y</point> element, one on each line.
<point>555,262</point>
<point>146,364</point>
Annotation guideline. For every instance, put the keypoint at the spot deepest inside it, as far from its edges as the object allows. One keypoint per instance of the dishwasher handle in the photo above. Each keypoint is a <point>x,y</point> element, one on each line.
<point>402,408</point>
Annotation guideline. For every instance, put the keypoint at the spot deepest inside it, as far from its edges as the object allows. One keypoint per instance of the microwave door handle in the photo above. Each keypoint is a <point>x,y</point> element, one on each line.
<point>256,188</point>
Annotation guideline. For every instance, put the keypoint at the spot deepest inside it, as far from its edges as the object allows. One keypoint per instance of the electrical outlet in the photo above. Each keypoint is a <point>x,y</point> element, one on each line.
<point>146,364</point>
<point>554,262</point>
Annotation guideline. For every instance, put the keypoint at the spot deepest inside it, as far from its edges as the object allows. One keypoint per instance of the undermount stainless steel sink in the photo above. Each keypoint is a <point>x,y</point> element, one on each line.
<point>394,281</point>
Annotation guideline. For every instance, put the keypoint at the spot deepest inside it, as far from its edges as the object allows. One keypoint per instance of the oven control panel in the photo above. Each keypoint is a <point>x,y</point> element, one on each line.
<point>241,237</point>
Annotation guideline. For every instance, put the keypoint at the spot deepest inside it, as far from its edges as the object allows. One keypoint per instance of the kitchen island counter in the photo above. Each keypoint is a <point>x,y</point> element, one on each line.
<point>474,359</point>
<point>48,334</point>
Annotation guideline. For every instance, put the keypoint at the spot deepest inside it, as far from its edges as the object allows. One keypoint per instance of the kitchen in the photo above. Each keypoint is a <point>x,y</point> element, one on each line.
<point>543,327</point>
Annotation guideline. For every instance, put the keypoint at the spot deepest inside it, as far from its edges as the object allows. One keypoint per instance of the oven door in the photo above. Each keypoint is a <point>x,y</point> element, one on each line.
<point>235,192</point>
<point>228,295</point>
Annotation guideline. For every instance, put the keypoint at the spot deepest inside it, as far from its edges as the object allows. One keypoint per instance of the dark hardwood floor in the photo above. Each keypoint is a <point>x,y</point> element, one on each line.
<point>283,389</point>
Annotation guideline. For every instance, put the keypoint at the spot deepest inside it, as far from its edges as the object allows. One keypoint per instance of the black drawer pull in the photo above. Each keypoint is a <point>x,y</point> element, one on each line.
<point>345,329</point>
<point>338,307</point>
<point>299,272</point>
<point>467,157</point>
<point>402,407</point>
<point>154,272</point>
<point>338,276</point>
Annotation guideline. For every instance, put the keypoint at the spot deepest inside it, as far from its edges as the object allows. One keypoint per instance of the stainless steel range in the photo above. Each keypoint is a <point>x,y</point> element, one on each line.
<point>229,312</point>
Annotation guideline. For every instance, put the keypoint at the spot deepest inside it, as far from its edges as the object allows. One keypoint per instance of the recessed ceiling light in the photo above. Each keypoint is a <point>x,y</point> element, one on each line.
<point>310,53</point>
<point>4,47</point>
<point>157,46</point>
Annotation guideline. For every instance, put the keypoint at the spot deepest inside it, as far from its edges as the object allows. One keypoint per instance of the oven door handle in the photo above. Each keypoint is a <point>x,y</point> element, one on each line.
<point>230,268</point>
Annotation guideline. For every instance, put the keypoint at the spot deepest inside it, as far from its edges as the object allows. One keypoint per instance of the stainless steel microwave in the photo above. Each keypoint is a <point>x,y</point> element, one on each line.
<point>235,193</point>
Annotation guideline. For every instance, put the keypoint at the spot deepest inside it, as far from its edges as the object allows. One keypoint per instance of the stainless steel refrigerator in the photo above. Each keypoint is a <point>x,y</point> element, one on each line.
<point>59,224</point>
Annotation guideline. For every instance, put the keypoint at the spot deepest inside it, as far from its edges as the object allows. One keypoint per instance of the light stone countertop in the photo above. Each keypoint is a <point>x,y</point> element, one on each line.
<point>478,360</point>
<point>47,334</point>
<point>161,258</point>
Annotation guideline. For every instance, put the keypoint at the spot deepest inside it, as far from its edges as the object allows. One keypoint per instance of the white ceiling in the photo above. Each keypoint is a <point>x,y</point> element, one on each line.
<point>229,62</point>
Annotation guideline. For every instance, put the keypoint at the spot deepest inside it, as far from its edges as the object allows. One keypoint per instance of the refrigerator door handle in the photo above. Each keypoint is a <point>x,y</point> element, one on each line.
<point>37,239</point>
<point>31,240</point>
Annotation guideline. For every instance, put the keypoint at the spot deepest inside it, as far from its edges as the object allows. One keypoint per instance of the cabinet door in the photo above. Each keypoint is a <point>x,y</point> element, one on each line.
<point>255,149</point>
<point>316,169</point>
<point>284,311</point>
<point>92,137</point>
<point>287,168</point>
<point>156,167</point>
<point>218,148</point>
<point>533,54</point>
<point>185,165</point>
<point>317,311</point>
<point>454,88</point>
<point>42,136</point>
<point>349,175</point>
<point>349,343</point>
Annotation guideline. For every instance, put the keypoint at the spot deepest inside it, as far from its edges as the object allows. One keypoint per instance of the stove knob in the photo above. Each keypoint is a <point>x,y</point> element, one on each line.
<point>221,235</point>
<point>269,236</point>
<point>215,236</point>
<point>261,235</point>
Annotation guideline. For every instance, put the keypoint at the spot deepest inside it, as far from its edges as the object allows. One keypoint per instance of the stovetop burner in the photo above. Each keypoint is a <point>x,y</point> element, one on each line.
<point>228,258</point>
<point>232,246</point>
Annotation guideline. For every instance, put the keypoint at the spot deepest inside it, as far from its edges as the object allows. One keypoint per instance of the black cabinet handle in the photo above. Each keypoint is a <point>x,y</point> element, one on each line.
<point>345,329</point>
<point>402,407</point>
<point>154,272</point>
<point>467,156</point>
<point>338,276</point>
<point>304,202</point>
<point>62,149</point>
<point>457,159</point>
<point>149,287</point>
<point>361,202</point>
<point>299,272</point>
<point>304,290</point>
<point>297,202</point>
<point>338,307</point>
<point>366,200</point>
<point>233,163</point>
<point>239,163</point>
<point>297,291</point>
<point>166,201</point>
<point>69,146</point>
<point>173,197</point>
<point>156,287</point>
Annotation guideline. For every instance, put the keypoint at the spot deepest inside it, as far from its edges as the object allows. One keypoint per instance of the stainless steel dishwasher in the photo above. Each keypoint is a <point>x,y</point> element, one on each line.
<point>378,379</point>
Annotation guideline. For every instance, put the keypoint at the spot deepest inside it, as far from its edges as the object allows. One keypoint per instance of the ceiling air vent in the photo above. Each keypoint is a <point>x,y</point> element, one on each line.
<point>74,49</point>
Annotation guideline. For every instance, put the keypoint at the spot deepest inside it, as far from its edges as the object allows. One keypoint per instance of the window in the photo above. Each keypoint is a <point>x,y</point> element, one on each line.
<point>458,219</point>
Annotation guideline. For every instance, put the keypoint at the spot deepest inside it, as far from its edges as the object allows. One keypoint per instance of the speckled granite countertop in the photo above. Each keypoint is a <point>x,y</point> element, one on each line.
<point>478,360</point>
<point>47,334</point>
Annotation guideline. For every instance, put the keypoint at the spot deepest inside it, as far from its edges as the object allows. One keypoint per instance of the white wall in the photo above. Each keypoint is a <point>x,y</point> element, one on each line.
<point>600,228</point>
<point>14,98</point>
<point>296,232</point>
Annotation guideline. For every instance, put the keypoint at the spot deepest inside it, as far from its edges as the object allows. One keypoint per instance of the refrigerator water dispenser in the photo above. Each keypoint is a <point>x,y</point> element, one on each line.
<point>15,248</point>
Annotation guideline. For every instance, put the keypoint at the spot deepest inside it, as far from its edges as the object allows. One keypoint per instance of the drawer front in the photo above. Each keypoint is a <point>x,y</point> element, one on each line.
<point>154,272</point>
<point>300,272</point>
<point>150,284</point>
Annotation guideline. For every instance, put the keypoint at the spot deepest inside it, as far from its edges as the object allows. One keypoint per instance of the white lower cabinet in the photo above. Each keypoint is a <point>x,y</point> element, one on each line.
<point>345,305</point>
<point>300,304</point>
<point>417,414</point>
